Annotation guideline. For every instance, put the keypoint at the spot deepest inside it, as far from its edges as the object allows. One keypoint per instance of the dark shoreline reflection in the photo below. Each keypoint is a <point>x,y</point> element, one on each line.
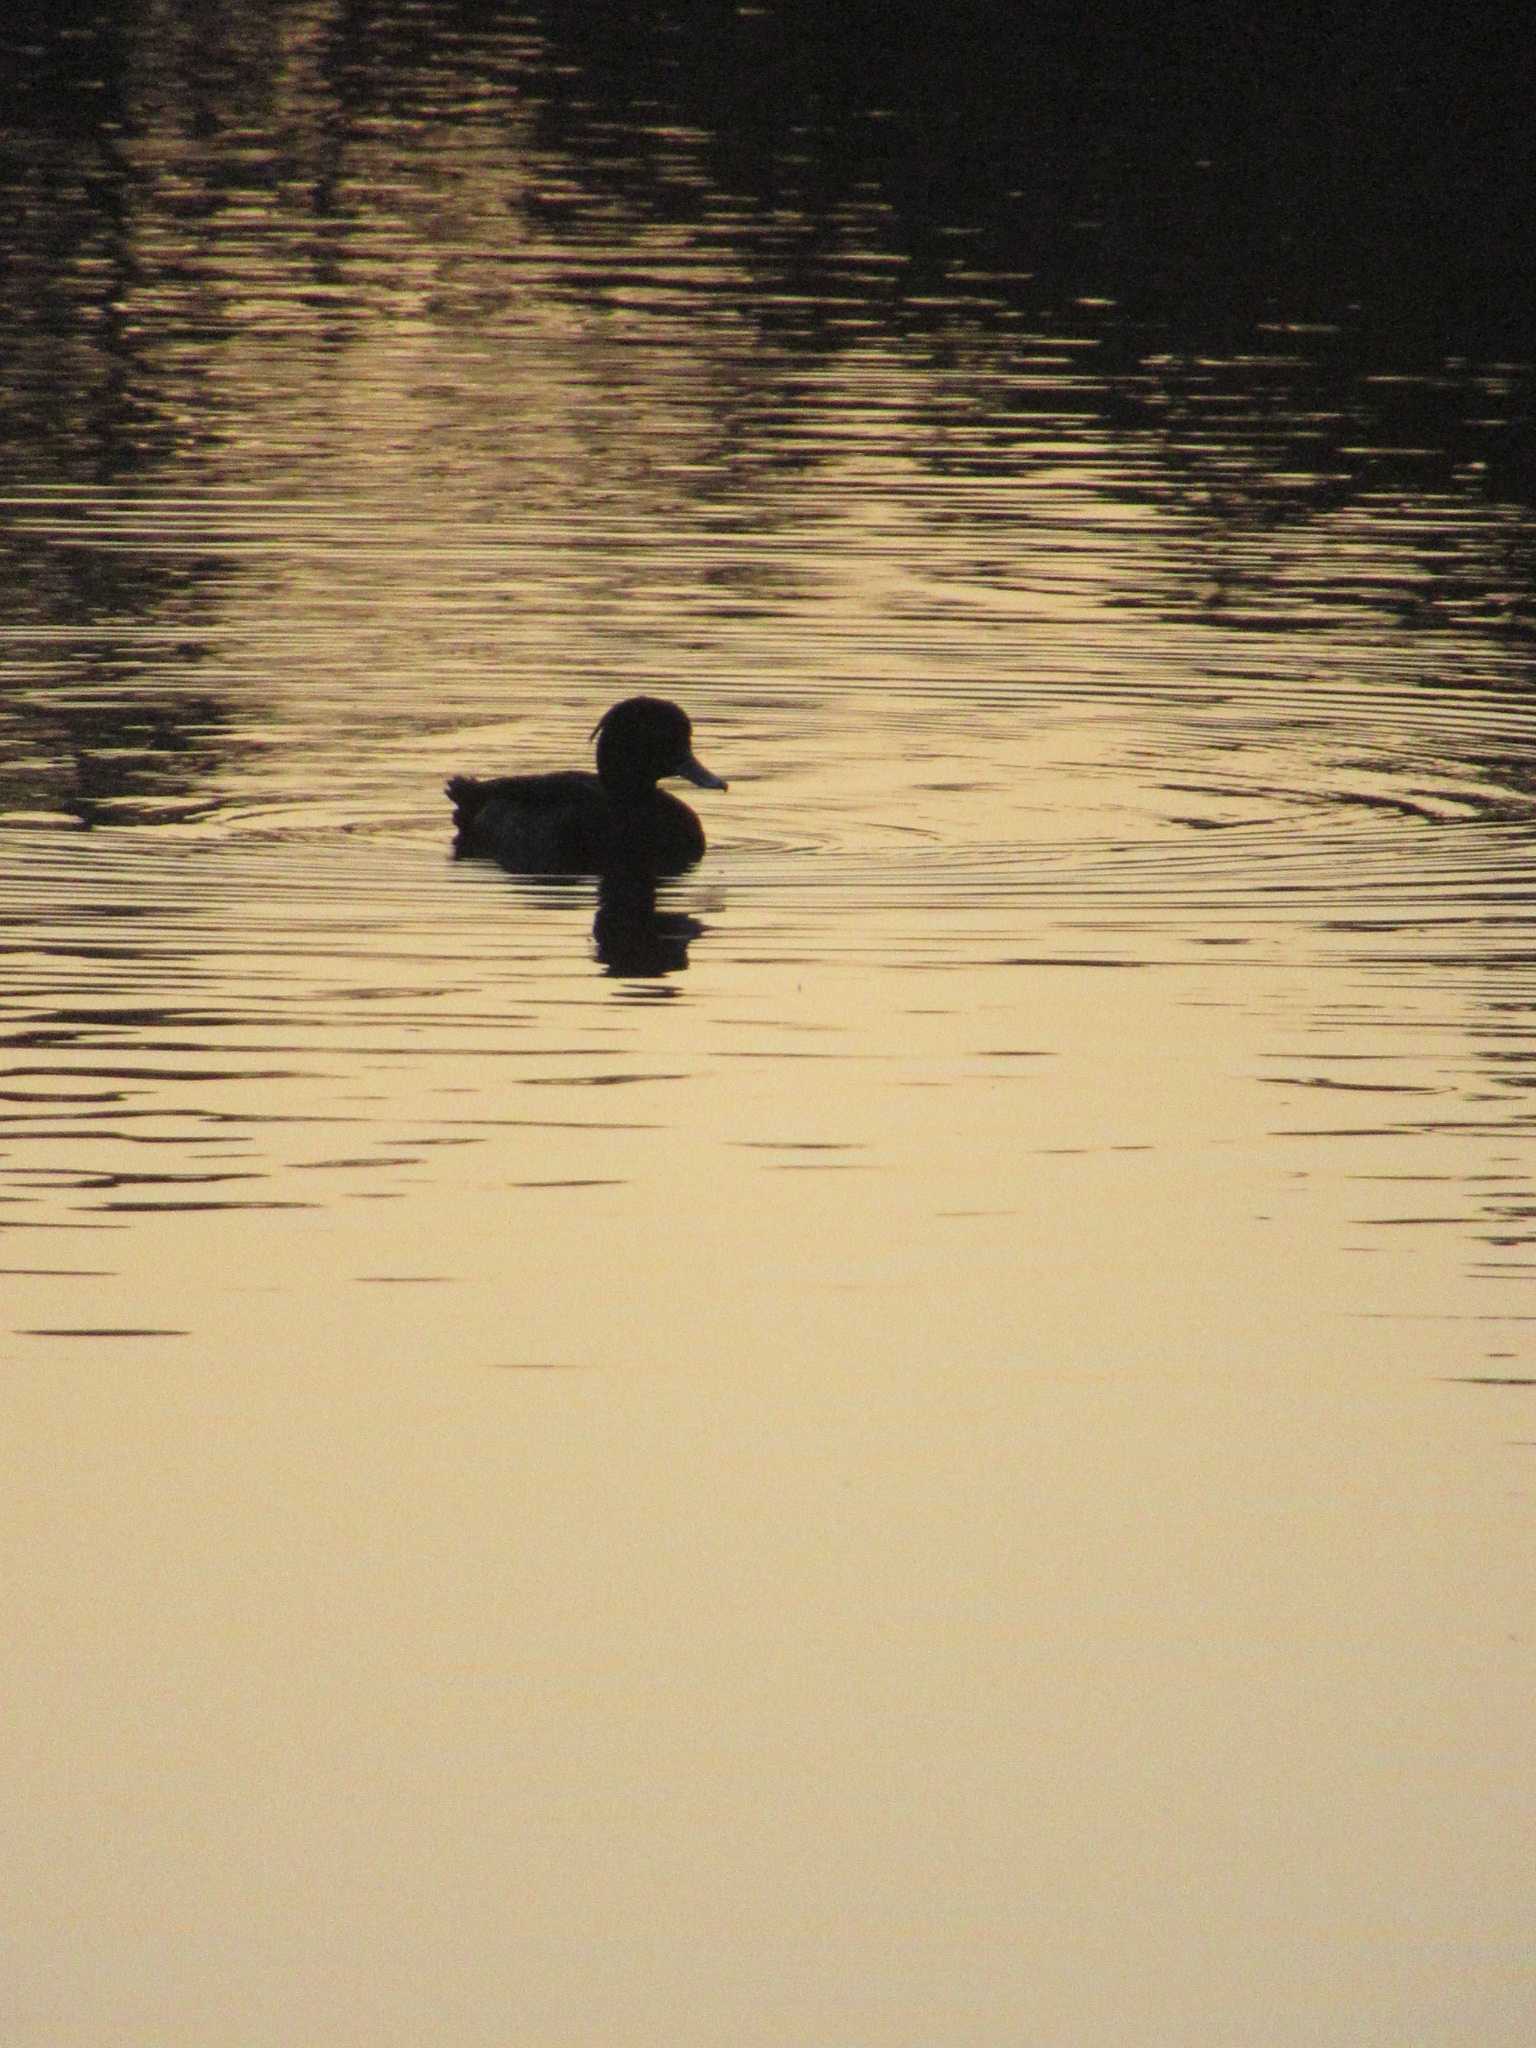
<point>1196,170</point>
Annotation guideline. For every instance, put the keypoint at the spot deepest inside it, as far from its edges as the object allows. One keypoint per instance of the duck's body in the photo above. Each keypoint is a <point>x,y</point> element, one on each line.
<point>578,823</point>
<point>570,825</point>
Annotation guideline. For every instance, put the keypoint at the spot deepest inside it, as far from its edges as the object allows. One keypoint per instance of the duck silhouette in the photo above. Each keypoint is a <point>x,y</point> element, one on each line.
<point>574,822</point>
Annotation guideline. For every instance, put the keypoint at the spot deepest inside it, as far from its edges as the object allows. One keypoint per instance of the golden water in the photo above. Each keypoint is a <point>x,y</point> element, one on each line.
<point>935,1447</point>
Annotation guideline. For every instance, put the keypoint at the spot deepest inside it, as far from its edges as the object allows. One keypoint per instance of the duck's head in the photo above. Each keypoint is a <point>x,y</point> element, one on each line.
<point>643,739</point>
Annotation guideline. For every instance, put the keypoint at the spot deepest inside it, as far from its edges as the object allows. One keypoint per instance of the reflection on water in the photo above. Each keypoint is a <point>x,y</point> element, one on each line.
<point>1029,1541</point>
<point>633,936</point>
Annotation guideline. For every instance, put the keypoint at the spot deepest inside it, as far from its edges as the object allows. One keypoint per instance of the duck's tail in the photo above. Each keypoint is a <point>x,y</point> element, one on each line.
<point>465,794</point>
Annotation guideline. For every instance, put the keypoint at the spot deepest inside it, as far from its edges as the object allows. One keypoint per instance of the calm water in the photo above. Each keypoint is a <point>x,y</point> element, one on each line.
<point>929,1439</point>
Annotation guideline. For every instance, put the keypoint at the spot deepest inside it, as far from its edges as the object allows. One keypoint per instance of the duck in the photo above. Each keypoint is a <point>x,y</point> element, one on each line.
<point>575,822</point>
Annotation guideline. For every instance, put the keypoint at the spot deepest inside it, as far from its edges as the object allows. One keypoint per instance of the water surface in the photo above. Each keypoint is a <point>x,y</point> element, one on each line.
<point>929,1437</point>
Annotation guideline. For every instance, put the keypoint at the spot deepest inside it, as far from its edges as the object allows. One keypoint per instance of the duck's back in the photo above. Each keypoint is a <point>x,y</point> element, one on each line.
<point>568,823</point>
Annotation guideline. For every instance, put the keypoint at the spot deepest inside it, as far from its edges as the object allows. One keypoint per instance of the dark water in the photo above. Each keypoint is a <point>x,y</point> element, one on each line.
<point>928,1436</point>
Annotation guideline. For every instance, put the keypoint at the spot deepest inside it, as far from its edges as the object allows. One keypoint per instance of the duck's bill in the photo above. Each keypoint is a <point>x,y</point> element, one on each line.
<point>695,772</point>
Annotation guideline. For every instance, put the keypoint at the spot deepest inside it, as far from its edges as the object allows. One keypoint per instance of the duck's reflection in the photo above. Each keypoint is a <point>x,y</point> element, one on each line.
<point>632,936</point>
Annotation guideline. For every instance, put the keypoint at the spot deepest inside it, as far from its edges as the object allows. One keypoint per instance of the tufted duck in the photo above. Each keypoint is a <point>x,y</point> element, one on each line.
<point>577,823</point>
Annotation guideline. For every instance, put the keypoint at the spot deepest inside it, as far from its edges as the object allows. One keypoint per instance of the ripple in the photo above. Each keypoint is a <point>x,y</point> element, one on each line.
<point>1281,801</point>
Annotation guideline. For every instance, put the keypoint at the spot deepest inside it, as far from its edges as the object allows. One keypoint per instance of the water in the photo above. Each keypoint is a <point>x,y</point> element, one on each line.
<point>928,1438</point>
